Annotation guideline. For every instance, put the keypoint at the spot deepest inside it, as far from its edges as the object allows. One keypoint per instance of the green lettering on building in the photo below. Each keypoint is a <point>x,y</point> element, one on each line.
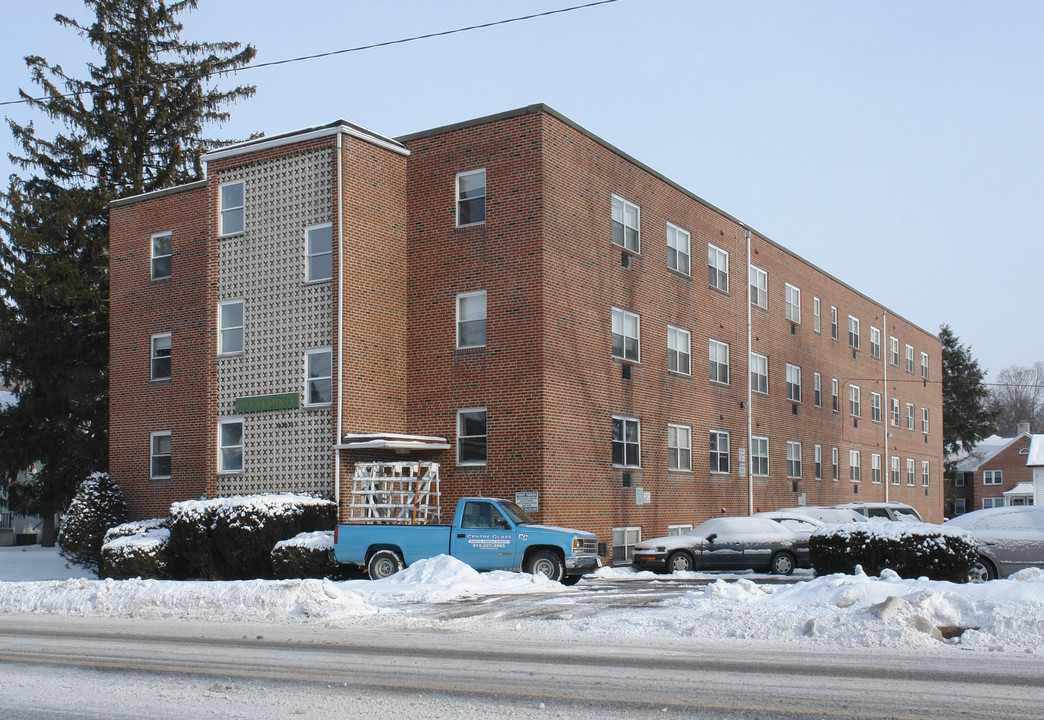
<point>258,403</point>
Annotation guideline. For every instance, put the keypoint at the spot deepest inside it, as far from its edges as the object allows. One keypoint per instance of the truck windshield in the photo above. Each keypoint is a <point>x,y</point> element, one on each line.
<point>517,514</point>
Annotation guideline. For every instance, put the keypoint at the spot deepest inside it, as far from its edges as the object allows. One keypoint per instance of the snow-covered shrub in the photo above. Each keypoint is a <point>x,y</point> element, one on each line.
<point>232,538</point>
<point>136,549</point>
<point>306,556</point>
<point>97,506</point>
<point>912,550</point>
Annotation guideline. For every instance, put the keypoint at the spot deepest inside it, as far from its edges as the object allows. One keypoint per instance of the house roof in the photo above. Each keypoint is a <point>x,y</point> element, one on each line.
<point>1022,488</point>
<point>1036,451</point>
<point>986,450</point>
<point>338,126</point>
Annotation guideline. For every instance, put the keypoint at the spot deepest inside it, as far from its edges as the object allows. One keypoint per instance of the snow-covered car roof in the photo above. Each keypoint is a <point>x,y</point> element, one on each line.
<point>1022,517</point>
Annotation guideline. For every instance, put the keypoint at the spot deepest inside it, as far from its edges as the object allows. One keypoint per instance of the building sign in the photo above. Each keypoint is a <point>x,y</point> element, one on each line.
<point>528,501</point>
<point>258,403</point>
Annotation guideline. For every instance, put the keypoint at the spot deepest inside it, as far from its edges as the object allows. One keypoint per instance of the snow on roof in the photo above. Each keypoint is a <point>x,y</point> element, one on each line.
<point>985,450</point>
<point>1022,488</point>
<point>1036,450</point>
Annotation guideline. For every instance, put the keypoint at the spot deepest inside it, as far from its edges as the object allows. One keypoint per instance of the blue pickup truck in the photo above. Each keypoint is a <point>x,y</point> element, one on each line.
<point>487,534</point>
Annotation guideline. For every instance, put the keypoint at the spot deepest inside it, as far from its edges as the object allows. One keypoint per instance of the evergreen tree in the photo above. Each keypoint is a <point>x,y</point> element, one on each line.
<point>134,125</point>
<point>966,419</point>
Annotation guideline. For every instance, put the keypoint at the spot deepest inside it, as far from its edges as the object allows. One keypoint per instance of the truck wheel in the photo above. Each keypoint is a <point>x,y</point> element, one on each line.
<point>546,563</point>
<point>384,563</point>
<point>571,579</point>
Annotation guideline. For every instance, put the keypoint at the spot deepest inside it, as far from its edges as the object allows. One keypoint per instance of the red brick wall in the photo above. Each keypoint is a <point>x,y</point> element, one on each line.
<point>1013,471</point>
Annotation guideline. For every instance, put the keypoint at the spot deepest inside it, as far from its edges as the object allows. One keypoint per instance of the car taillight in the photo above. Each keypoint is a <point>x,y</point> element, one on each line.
<point>336,528</point>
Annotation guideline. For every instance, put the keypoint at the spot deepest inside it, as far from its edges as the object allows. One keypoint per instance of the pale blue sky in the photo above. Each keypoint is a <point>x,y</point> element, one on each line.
<point>896,145</point>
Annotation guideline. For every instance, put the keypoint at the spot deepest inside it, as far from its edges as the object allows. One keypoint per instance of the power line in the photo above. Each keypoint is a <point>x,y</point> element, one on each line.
<point>331,53</point>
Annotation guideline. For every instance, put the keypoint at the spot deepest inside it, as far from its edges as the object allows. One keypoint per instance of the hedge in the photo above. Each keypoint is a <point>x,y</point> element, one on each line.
<point>137,549</point>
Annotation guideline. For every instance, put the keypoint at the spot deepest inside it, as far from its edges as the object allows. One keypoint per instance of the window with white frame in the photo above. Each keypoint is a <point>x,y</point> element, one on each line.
<point>230,445</point>
<point>624,540</point>
<point>318,377</point>
<point>910,471</point>
<point>677,249</point>
<point>875,468</point>
<point>676,530</point>
<point>853,401</point>
<point>231,210</point>
<point>875,342</point>
<point>924,365</point>
<point>626,223</point>
<point>895,470</point>
<point>818,456</point>
<point>793,383</point>
<point>875,407</point>
<point>162,253</point>
<point>319,253</point>
<point>471,319</point>
<point>853,332</point>
<point>759,372</point>
<point>160,357</point>
<point>759,456</point>
<point>719,362</point>
<point>230,327</point>
<point>758,287</point>
<point>834,399</point>
<point>992,477</point>
<point>924,420</point>
<point>834,464</point>
<point>815,314</point>
<point>793,303</point>
<point>718,268</point>
<point>159,456</point>
<point>854,466</point>
<point>817,380</point>
<point>678,359</point>
<point>627,445</point>
<point>895,412</point>
<point>793,459</point>
<point>909,416</point>
<point>471,197</point>
<point>959,480</point>
<point>893,351</point>
<point>988,503</point>
<point>925,473</point>
<point>833,323</point>
<point>719,451</point>
<point>626,327</point>
<point>679,447</point>
<point>959,507</point>
<point>471,436</point>
<point>909,358</point>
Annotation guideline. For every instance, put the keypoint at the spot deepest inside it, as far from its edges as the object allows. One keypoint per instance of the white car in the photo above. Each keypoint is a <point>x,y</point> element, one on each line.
<point>1010,539</point>
<point>802,525</point>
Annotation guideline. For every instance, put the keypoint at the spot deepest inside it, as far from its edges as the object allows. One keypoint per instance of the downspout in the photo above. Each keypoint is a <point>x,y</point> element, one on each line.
<point>338,424</point>
<point>750,456</point>
<point>887,403</point>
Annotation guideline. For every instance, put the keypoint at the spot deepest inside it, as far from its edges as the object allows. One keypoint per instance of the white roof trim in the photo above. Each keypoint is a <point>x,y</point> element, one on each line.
<point>391,441</point>
<point>254,145</point>
<point>1022,488</point>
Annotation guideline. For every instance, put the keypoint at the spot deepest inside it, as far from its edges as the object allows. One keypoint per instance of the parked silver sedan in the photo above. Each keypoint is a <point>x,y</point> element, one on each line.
<point>730,543</point>
<point>1010,539</point>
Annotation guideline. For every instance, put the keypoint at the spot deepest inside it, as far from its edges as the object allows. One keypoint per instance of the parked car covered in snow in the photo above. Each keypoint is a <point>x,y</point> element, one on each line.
<point>826,514</point>
<point>1010,539</point>
<point>802,525</point>
<point>896,511</point>
<point>729,543</point>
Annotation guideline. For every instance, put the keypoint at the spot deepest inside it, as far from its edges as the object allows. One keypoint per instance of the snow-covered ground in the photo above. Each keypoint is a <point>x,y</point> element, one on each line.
<point>836,610</point>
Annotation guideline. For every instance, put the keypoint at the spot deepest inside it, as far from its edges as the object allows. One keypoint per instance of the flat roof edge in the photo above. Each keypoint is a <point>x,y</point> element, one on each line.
<point>305,134</point>
<point>157,193</point>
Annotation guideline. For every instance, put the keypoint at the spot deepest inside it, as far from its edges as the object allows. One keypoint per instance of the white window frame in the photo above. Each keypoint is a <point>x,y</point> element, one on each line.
<point>855,466</point>
<point>716,276</point>
<point>792,301</point>
<point>926,473</point>
<point>992,477</point>
<point>924,365</point>
<point>759,376</point>
<point>153,256</point>
<point>875,342</point>
<point>626,422</point>
<point>717,350</point>
<point>909,416</point>
<point>793,383</point>
<point>988,503</point>
<point>619,321</point>
<point>875,407</point>
<point>793,459</point>
<point>309,378</point>
<point>909,359</point>
<point>679,350</point>
<point>154,456</point>
<point>853,332</point>
<point>894,469</point>
<point>817,389</point>
<point>223,468</point>
<point>678,257</point>
<point>155,356</point>
<point>624,540</point>
<point>679,447</point>
<point>833,323</point>
<point>224,330</point>
<point>759,456</point>
<point>310,256</point>
<point>854,404</point>
<point>462,437</point>
<point>815,314</point>
<point>758,287</point>
<point>893,351</point>
<point>835,464</point>
<point>958,506</point>
<point>895,412</point>
<point>875,468</point>
<point>835,395</point>
<point>619,212</point>
<point>232,210</point>
<point>719,458</point>
<point>675,530</point>
<point>465,306</point>
<point>460,199</point>
<point>911,480</point>
<point>818,459</point>
<point>924,420</point>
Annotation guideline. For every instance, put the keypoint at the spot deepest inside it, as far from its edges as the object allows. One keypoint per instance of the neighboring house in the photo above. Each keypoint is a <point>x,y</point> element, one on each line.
<point>1035,462</point>
<point>16,529</point>
<point>994,474</point>
<point>513,298</point>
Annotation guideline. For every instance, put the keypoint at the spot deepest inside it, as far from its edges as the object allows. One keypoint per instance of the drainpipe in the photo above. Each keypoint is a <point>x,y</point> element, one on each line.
<point>887,480</point>
<point>750,457</point>
<point>340,326</point>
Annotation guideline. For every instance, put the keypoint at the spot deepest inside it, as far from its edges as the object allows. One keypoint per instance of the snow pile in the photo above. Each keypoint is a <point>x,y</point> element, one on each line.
<point>136,538</point>
<point>321,540</point>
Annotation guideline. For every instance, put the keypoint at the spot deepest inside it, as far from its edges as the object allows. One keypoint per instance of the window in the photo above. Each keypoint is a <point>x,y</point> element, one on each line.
<point>853,400</point>
<point>924,420</point>
<point>675,530</point>
<point>677,249</point>
<point>924,365</point>
<point>471,436</point>
<point>471,319</point>
<point>161,256</point>
<point>833,323</point>
<point>875,468</point>
<point>758,372</point>
<point>318,377</point>
<point>160,456</point>
<point>895,412</point>
<point>815,314</point>
<point>230,327</point>
<point>992,502</point>
<point>161,356</point>
<point>895,470</point>
<point>793,459</point>
<point>719,451</point>
<point>909,358</point>
<point>893,351</point>
<point>759,456</point>
<point>834,400</point>
<point>925,468</point>
<point>958,481</point>
<point>817,380</point>
<point>793,303</point>
<point>471,197</point>
<point>626,219</point>
<point>718,268</point>
<point>624,540</point>
<point>958,506</point>
<point>833,464</point>
<point>875,407</point>
<point>231,208</point>
<point>625,335</point>
<point>626,442</point>
<point>230,445</point>
<point>909,416</point>
<point>758,287</point>
<point>853,332</point>
<point>910,471</point>
<point>793,383</point>
<point>719,362</point>
<point>678,350</point>
<point>319,253</point>
<point>818,455</point>
<point>992,477</point>
<point>679,447</point>
<point>875,342</point>
<point>854,469</point>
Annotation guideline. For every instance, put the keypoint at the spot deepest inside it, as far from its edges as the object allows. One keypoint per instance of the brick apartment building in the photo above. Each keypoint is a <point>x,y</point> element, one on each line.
<point>517,300</point>
<point>994,474</point>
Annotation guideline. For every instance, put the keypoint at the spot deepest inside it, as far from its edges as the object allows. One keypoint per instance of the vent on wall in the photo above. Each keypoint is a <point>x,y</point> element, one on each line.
<point>625,260</point>
<point>626,373</point>
<point>627,479</point>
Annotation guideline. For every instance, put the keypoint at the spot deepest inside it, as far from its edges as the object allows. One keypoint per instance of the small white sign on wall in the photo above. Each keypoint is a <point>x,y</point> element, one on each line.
<point>528,501</point>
